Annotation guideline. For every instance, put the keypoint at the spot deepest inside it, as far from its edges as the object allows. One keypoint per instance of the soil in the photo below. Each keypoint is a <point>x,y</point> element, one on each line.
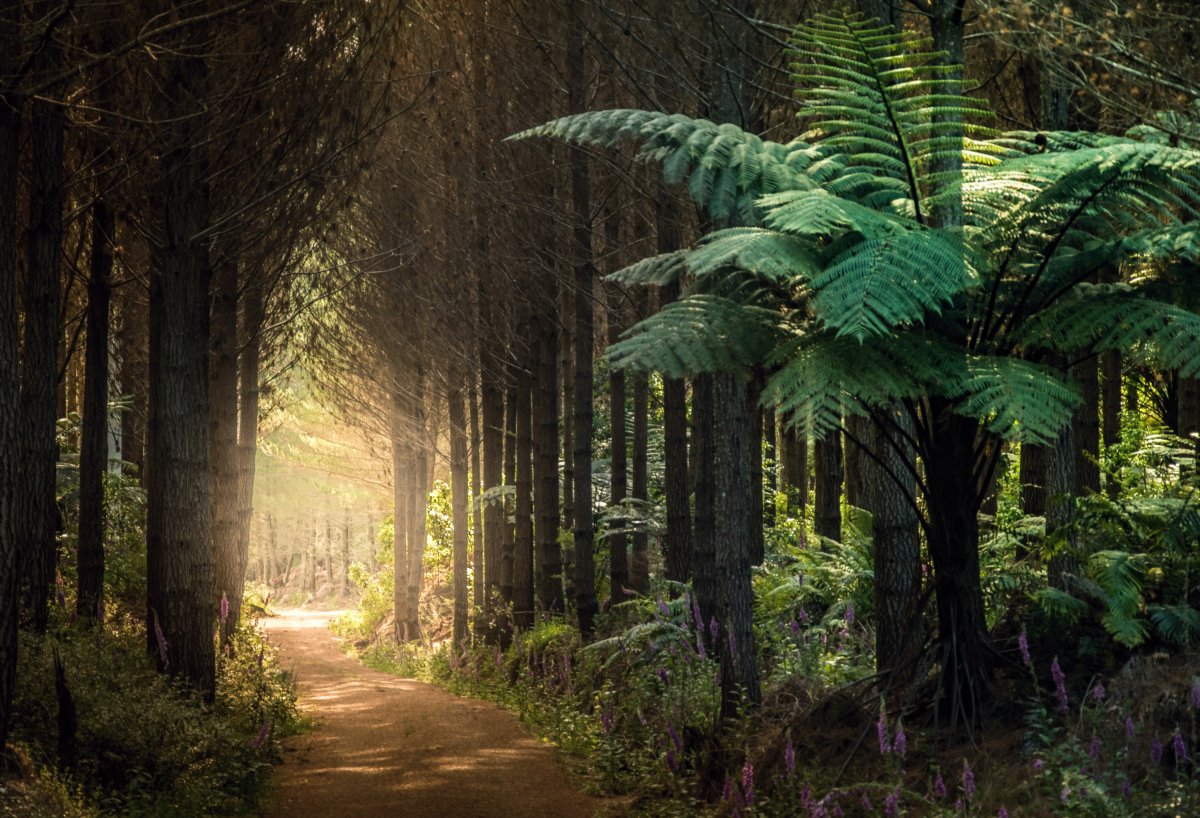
<point>385,746</point>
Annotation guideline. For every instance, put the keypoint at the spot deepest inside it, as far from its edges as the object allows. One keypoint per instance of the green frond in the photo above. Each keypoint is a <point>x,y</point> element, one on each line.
<point>819,214</point>
<point>1060,604</point>
<point>725,168</point>
<point>1177,624</point>
<point>655,271</point>
<point>1013,398</point>
<point>698,334</point>
<point>774,256</point>
<point>879,284</point>
<point>1102,317</point>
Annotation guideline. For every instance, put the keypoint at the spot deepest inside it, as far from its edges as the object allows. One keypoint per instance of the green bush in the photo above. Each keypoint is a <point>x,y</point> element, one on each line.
<point>144,745</point>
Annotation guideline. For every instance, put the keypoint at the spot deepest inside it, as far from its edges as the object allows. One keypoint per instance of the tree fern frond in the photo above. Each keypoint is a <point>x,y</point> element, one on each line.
<point>654,271</point>
<point>880,284</point>
<point>775,256</point>
<point>1102,317</point>
<point>818,214</point>
<point>726,168</point>
<point>1013,398</point>
<point>698,334</point>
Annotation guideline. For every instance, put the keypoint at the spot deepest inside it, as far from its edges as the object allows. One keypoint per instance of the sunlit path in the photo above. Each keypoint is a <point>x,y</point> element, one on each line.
<point>386,746</point>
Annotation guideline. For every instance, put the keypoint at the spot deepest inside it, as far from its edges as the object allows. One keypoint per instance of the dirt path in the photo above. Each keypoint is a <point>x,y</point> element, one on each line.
<point>386,747</point>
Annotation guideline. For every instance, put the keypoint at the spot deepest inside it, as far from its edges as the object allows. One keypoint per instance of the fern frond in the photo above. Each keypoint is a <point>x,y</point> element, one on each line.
<point>819,214</point>
<point>655,271</point>
<point>698,334</point>
<point>726,169</point>
<point>1013,398</point>
<point>771,255</point>
<point>879,284</point>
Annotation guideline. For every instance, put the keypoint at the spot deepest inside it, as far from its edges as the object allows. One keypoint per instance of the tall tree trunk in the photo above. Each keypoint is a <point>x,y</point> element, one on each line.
<point>476,508</point>
<point>247,436</point>
<point>400,475</point>
<point>964,647</point>
<point>794,446</point>
<point>1087,426</point>
<point>523,541</point>
<point>618,542</point>
<point>858,428</point>
<point>566,369</point>
<point>585,568</point>
<point>37,512</point>
<point>93,447</point>
<point>508,546</point>
<point>639,557</point>
<point>493,511</point>
<point>10,129</point>
<point>223,409</point>
<point>329,547</point>
<point>827,500</point>
<point>890,486</point>
<point>734,518</point>
<point>346,551</point>
<point>419,485</point>
<point>545,452</point>
<point>703,465</point>
<point>1110,365</point>
<point>458,503</point>
<point>754,456</point>
<point>1062,486</point>
<point>309,582</point>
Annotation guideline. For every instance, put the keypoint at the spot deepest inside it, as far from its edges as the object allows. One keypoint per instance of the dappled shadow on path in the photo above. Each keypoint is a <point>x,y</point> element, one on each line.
<point>386,746</point>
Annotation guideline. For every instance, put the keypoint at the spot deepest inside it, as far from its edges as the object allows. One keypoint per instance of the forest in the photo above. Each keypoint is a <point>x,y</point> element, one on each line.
<point>599,408</point>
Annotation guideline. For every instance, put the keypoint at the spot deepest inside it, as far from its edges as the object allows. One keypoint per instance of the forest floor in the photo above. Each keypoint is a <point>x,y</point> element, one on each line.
<point>385,746</point>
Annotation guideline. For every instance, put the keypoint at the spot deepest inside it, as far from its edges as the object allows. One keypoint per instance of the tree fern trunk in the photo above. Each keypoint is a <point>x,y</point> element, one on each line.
<point>827,500</point>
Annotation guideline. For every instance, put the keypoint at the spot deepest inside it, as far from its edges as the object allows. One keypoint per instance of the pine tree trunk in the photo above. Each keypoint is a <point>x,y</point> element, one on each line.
<point>223,409</point>
<point>1110,365</point>
<point>476,509</point>
<point>566,370</point>
<point>639,557</point>
<point>400,475</point>
<point>891,487</point>
<point>585,568</point>
<point>858,428</point>
<point>37,512</point>
<point>545,452</point>
<point>735,517</point>
<point>508,546</point>
<point>493,512</point>
<point>247,442</point>
<point>827,500</point>
<point>346,552</point>
<point>795,467</point>
<point>523,601</point>
<point>309,581</point>
<point>93,447</point>
<point>329,548</point>
<point>701,460</point>
<point>10,129</point>
<point>1087,426</point>
<point>618,542</point>
<point>458,503</point>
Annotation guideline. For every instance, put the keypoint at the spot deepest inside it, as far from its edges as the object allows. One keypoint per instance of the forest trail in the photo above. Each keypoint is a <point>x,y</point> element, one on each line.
<point>387,746</point>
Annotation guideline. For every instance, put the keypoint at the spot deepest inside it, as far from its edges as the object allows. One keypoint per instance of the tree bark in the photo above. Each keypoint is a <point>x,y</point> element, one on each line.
<point>734,519</point>
<point>346,552</point>
<point>476,509</point>
<point>639,557</point>
<point>756,525</point>
<point>703,466</point>
<point>508,545</point>
<point>1087,426</point>
<point>545,452</point>
<point>1110,365</point>
<point>93,447</point>
<point>223,408</point>
<point>827,501</point>
<point>10,129</point>
<point>458,503</point>
<point>523,600</point>
<point>37,516</point>
<point>795,467</point>
<point>618,542</point>
<point>493,470</point>
<point>247,436</point>
<point>585,568</point>
<point>400,475</point>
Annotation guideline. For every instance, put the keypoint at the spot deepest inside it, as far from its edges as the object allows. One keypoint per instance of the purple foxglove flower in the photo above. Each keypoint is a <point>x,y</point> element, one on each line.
<point>257,742</point>
<point>1129,727</point>
<point>1126,788</point>
<point>606,719</point>
<point>968,781</point>
<point>224,609</point>
<point>672,765</point>
<point>1098,692</point>
<point>891,805</point>
<point>1038,764</point>
<point>727,790</point>
<point>939,786</point>
<point>837,812</point>
<point>1156,750</point>
<point>1060,685</point>
<point>900,743</point>
<point>664,609</point>
<point>794,626</point>
<point>850,613</point>
<point>700,645</point>
<point>1003,813</point>
<point>697,617</point>
<point>865,802</point>
<point>662,674</point>
<point>675,739</point>
<point>748,782</point>
<point>1094,748</point>
<point>1023,644</point>
<point>958,805</point>
<point>161,638</point>
<point>803,616</point>
<point>789,759</point>
<point>1180,748</point>
<point>60,597</point>
<point>885,744</point>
